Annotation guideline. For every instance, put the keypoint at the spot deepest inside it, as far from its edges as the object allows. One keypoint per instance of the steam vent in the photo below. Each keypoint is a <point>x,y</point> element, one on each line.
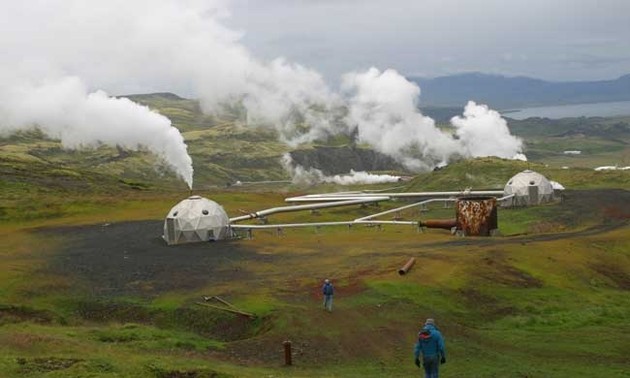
<point>476,216</point>
<point>195,219</point>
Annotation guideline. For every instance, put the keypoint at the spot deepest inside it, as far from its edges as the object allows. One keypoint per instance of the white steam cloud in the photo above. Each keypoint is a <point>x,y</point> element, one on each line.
<point>63,109</point>
<point>482,132</point>
<point>384,110</point>
<point>312,176</point>
<point>183,46</point>
<point>383,107</point>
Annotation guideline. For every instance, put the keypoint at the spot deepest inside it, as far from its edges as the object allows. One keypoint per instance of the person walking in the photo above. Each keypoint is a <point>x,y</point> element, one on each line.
<point>431,345</point>
<point>328,291</point>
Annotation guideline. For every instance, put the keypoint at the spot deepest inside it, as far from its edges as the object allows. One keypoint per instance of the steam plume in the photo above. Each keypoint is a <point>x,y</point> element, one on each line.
<point>312,176</point>
<point>183,46</point>
<point>384,110</point>
<point>482,132</point>
<point>63,109</point>
<point>383,107</point>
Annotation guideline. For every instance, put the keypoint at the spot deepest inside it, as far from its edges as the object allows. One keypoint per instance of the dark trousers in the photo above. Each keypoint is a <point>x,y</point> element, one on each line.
<point>431,365</point>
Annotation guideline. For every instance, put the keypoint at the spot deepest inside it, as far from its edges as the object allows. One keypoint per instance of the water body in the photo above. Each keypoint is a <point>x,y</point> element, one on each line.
<point>600,109</point>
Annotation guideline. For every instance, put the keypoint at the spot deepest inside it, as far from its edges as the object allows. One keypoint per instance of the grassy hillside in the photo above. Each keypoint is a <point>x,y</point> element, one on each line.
<point>223,152</point>
<point>602,141</point>
<point>88,288</point>
<point>493,173</point>
<point>185,114</point>
<point>94,294</point>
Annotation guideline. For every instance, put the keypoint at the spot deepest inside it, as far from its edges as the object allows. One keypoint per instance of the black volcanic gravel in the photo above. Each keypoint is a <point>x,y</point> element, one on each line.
<point>131,258</point>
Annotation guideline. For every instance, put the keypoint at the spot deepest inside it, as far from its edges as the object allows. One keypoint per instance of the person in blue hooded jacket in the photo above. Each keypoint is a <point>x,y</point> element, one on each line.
<point>328,291</point>
<point>431,345</point>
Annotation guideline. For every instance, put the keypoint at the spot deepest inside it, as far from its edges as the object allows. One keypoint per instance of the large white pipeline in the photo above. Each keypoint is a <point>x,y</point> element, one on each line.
<point>342,197</point>
<point>317,224</point>
<point>353,198</point>
<point>415,204</point>
<point>285,209</point>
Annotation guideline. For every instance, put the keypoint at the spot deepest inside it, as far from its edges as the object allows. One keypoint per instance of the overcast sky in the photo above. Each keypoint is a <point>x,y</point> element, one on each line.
<point>220,48</point>
<point>323,60</point>
<point>549,39</point>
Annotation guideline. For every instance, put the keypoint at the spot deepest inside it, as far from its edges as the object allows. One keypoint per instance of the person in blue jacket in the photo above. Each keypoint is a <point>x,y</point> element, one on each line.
<point>328,291</point>
<point>431,345</point>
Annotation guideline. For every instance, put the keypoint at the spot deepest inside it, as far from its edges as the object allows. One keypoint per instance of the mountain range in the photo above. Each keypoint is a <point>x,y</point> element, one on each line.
<point>502,92</point>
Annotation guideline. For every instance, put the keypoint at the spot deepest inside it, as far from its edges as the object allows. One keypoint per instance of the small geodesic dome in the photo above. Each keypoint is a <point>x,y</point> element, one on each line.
<point>195,219</point>
<point>529,188</point>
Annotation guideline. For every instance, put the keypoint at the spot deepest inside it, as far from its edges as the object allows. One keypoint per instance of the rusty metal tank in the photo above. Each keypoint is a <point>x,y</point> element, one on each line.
<point>476,216</point>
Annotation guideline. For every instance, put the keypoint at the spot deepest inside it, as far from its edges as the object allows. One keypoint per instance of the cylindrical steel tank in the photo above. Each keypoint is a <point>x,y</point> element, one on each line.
<point>476,216</point>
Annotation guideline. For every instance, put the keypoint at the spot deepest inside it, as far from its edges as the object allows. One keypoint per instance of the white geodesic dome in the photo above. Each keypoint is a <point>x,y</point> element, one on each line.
<point>195,219</point>
<point>529,188</point>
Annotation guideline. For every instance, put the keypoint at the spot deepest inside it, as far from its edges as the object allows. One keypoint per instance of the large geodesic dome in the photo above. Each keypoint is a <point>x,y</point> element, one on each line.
<point>195,219</point>
<point>529,188</point>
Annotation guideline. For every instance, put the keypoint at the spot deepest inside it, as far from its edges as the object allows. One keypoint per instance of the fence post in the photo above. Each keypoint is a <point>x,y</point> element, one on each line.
<point>287,353</point>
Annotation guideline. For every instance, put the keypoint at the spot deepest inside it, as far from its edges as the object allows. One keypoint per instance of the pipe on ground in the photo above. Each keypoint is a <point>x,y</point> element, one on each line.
<point>402,271</point>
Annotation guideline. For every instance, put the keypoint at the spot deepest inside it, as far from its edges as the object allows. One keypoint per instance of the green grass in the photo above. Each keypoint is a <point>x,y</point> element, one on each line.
<point>508,306</point>
<point>491,327</point>
<point>493,173</point>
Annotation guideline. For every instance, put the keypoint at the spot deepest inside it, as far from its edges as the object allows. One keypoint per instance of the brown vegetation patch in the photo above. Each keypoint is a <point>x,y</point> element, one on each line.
<point>545,227</point>
<point>25,341</point>
<point>489,306</point>
<point>311,349</point>
<point>31,365</point>
<point>614,273</point>
<point>616,212</point>
<point>268,350</point>
<point>106,311</point>
<point>494,269</point>
<point>18,314</point>
<point>177,373</point>
<point>356,282</point>
<point>203,321</point>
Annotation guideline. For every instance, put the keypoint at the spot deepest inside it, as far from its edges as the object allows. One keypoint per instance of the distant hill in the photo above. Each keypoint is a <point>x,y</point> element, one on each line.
<point>224,152</point>
<point>334,160</point>
<point>503,92</point>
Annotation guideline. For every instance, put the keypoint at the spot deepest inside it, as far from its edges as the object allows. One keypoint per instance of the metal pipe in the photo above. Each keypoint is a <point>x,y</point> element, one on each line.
<point>446,224</point>
<point>412,223</point>
<point>284,209</point>
<point>331,198</point>
<point>406,207</point>
<point>505,197</point>
<point>339,197</point>
<point>402,271</point>
<point>288,225</point>
<point>317,224</point>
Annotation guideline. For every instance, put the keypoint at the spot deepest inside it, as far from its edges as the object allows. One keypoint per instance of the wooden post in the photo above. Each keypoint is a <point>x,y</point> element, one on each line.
<point>227,309</point>
<point>287,353</point>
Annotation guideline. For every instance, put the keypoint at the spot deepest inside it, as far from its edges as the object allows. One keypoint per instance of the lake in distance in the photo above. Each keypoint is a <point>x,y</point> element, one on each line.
<point>600,109</point>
